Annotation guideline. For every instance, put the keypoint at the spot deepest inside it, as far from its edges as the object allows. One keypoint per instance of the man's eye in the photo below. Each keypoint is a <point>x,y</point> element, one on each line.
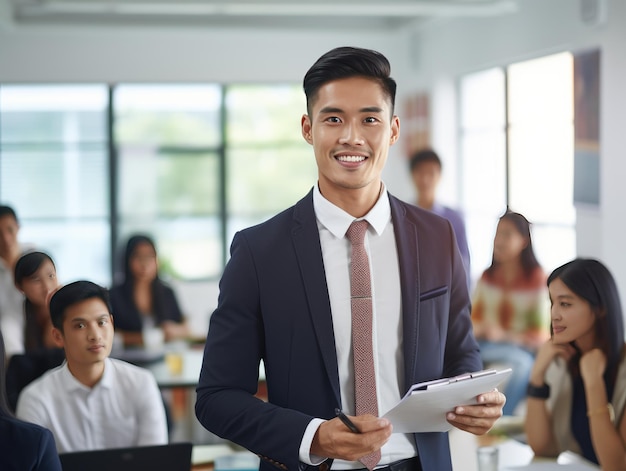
<point>333,119</point>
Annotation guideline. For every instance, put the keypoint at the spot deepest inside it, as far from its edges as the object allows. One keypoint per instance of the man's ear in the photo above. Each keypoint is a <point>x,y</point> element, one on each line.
<point>395,130</point>
<point>305,122</point>
<point>58,338</point>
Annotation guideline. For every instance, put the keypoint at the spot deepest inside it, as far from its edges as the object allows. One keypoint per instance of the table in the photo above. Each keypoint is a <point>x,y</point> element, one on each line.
<point>179,388</point>
<point>191,363</point>
<point>512,455</point>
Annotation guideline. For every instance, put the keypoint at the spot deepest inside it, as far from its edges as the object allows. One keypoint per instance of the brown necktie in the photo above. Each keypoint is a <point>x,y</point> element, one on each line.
<point>361,301</point>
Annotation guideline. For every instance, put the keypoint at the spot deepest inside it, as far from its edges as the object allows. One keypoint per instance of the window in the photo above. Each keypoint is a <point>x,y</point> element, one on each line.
<point>483,166</point>
<point>169,140</point>
<point>517,152</point>
<point>269,164</point>
<point>541,153</point>
<point>54,172</point>
<point>86,166</point>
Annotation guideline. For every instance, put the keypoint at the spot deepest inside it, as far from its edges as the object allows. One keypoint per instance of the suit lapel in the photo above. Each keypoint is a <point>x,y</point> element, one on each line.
<point>305,236</point>
<point>405,231</point>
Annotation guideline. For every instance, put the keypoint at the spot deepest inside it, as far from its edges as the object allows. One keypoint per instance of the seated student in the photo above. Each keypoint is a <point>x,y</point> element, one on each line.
<point>36,278</point>
<point>509,306</point>
<point>92,401</point>
<point>577,387</point>
<point>24,446</point>
<point>11,315</point>
<point>143,300</point>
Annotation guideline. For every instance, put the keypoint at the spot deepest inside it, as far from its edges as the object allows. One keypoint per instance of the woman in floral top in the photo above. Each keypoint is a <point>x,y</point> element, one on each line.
<point>510,311</point>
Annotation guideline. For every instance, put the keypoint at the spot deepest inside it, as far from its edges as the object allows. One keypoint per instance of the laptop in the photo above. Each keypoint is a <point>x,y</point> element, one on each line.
<point>171,457</point>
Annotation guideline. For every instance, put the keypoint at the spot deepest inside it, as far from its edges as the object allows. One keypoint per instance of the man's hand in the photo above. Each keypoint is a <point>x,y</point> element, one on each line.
<point>478,419</point>
<point>334,440</point>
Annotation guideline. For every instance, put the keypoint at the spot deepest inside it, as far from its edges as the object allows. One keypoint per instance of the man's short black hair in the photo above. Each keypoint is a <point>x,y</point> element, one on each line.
<point>424,155</point>
<point>8,211</point>
<point>74,293</point>
<point>346,62</point>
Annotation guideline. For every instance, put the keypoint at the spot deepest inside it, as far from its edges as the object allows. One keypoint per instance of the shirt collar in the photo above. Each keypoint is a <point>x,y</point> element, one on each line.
<point>72,384</point>
<point>337,221</point>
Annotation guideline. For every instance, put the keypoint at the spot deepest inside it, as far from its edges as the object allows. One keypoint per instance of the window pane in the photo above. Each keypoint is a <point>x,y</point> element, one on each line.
<point>168,115</point>
<point>168,139</point>
<point>265,147</point>
<point>483,161</point>
<point>54,172</point>
<point>80,249</point>
<point>67,183</point>
<point>60,113</point>
<point>554,245</point>
<point>188,248</point>
<point>153,184</point>
<point>541,139</point>
<point>482,100</point>
<point>253,176</point>
<point>264,114</point>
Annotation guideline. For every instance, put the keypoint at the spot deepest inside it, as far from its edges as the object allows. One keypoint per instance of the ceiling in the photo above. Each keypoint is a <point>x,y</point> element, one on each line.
<point>318,14</point>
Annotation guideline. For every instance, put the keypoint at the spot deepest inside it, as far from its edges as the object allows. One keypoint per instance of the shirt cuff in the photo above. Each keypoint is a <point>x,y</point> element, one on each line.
<point>307,440</point>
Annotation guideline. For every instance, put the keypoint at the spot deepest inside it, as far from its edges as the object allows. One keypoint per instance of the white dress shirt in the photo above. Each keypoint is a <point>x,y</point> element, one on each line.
<point>123,409</point>
<point>380,244</point>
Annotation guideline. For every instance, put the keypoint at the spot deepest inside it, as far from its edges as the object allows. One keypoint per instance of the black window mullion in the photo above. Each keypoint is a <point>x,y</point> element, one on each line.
<point>223,168</point>
<point>113,183</point>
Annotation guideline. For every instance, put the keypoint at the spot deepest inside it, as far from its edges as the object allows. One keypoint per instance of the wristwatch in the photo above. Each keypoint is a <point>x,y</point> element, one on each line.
<point>538,392</point>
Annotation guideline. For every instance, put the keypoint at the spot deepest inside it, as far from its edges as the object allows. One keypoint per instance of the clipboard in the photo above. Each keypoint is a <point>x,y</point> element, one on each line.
<point>423,408</point>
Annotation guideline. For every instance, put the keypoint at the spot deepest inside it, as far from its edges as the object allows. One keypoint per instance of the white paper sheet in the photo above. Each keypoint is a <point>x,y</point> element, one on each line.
<point>425,410</point>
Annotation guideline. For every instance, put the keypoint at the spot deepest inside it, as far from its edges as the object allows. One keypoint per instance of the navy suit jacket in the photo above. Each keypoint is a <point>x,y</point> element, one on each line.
<point>274,306</point>
<point>26,446</point>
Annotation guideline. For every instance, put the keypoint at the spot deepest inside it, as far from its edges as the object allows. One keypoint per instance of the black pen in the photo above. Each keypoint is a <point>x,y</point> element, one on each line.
<point>347,422</point>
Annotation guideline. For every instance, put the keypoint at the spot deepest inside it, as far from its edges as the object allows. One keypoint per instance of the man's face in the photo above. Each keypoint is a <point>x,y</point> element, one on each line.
<point>8,235</point>
<point>426,177</point>
<point>87,335</point>
<point>350,128</point>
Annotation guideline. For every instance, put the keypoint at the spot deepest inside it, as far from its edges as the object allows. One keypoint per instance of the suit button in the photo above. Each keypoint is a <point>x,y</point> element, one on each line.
<point>324,467</point>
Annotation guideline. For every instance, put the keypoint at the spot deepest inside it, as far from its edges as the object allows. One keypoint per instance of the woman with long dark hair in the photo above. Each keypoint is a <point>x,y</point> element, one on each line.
<point>577,388</point>
<point>510,312</point>
<point>36,278</point>
<point>143,300</point>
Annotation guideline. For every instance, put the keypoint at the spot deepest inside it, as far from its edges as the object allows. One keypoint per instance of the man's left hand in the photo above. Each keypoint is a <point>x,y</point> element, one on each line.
<point>479,418</point>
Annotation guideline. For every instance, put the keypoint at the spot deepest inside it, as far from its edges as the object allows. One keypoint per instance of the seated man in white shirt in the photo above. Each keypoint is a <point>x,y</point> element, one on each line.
<point>92,401</point>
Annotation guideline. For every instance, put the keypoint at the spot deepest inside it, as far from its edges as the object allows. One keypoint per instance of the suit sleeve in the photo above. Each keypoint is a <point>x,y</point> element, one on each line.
<point>48,459</point>
<point>462,353</point>
<point>226,404</point>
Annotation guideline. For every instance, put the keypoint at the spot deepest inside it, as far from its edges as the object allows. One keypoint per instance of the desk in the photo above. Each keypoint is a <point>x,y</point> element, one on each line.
<point>512,455</point>
<point>191,360</point>
<point>180,389</point>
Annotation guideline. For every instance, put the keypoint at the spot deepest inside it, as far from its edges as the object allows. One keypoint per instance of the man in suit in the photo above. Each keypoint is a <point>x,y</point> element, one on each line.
<point>285,298</point>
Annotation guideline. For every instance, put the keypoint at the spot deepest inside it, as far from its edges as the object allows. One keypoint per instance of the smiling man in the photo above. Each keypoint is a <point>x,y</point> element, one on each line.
<point>92,401</point>
<point>349,297</point>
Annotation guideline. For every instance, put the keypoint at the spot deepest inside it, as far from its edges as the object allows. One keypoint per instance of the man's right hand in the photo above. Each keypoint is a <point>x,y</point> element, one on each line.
<point>334,440</point>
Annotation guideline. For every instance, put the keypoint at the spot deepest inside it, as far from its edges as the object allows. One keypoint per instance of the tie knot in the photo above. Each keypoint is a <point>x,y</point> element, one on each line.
<point>356,231</point>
